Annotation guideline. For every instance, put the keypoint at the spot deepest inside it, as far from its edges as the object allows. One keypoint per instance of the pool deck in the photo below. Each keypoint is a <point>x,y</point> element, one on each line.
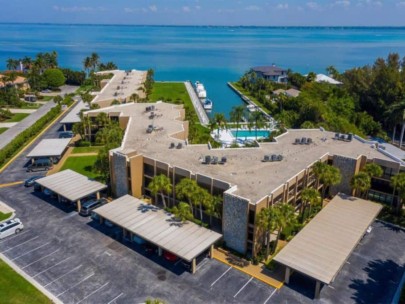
<point>226,137</point>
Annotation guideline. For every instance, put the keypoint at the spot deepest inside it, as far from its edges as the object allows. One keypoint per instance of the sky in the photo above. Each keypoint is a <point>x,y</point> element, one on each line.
<point>207,12</point>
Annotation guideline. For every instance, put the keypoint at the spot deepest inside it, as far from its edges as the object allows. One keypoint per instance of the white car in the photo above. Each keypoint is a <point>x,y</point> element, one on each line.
<point>10,227</point>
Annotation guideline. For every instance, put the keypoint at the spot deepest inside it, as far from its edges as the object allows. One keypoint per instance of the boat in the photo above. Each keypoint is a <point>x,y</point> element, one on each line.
<point>200,90</point>
<point>207,104</point>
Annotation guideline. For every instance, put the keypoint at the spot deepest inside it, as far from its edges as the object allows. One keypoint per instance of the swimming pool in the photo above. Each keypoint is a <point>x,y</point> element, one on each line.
<point>251,133</point>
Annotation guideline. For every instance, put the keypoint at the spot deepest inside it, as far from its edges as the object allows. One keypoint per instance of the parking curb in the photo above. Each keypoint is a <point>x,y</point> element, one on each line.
<point>36,137</point>
<point>38,286</point>
<point>248,273</point>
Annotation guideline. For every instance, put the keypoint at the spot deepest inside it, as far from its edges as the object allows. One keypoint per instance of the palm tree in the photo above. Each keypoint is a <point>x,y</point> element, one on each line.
<point>284,217</point>
<point>12,64</point>
<point>220,119</point>
<point>211,207</point>
<point>94,60</point>
<point>398,182</point>
<point>266,221</point>
<point>162,185</point>
<point>204,198</point>
<point>27,61</point>
<point>134,97</point>
<point>327,175</point>
<point>87,65</point>
<point>396,115</point>
<point>212,125</point>
<point>257,120</point>
<point>373,170</point>
<point>187,189</point>
<point>236,116</point>
<point>361,183</point>
<point>309,197</point>
<point>183,212</point>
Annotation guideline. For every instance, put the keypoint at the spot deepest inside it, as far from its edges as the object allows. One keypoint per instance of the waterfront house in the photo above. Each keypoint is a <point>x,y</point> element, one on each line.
<point>272,73</point>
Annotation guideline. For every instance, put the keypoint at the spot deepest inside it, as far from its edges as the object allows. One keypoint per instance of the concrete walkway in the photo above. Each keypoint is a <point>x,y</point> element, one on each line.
<point>29,111</point>
<point>260,272</point>
<point>10,134</point>
<point>4,208</point>
<point>202,115</point>
<point>7,124</point>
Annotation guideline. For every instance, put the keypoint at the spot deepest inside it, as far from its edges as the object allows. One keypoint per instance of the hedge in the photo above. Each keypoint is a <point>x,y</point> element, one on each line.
<point>24,137</point>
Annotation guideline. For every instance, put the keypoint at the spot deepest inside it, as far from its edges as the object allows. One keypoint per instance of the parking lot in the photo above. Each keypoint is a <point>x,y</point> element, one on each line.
<point>80,261</point>
<point>371,274</point>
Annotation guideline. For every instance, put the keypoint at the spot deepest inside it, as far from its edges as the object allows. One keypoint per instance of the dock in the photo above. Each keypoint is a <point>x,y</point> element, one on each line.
<point>202,115</point>
<point>252,103</point>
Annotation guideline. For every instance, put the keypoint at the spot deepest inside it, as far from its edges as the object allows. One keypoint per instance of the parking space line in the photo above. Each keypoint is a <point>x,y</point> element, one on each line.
<point>11,237</point>
<point>20,244</point>
<point>213,283</point>
<point>116,298</point>
<point>52,266</point>
<point>89,295</point>
<point>70,271</point>
<point>274,291</point>
<point>236,294</point>
<point>202,264</point>
<point>40,259</point>
<point>21,255</point>
<point>78,283</point>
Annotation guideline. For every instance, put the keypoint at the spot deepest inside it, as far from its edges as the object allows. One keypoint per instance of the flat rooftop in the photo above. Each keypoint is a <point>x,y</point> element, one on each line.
<point>50,148</point>
<point>186,240</point>
<point>74,115</point>
<point>254,179</point>
<point>321,248</point>
<point>129,82</point>
<point>71,185</point>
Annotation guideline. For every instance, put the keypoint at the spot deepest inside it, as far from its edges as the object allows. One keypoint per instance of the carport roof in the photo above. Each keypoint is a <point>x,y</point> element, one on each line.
<point>50,147</point>
<point>71,185</point>
<point>74,115</point>
<point>322,247</point>
<point>157,226</point>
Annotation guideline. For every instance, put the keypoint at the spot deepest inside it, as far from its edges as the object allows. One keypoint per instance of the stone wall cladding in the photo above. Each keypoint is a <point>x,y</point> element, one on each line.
<point>235,221</point>
<point>347,167</point>
<point>120,173</point>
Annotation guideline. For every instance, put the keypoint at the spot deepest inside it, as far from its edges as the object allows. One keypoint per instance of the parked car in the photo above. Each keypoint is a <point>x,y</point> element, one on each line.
<point>170,256</point>
<point>149,248</point>
<point>31,181</point>
<point>66,134</point>
<point>10,227</point>
<point>40,165</point>
<point>89,206</point>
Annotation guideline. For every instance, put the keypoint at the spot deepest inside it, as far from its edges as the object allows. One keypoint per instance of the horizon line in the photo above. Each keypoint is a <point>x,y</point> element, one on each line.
<point>209,25</point>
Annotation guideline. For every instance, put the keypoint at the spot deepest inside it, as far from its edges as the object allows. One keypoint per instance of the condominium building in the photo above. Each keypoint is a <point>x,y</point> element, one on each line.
<point>247,179</point>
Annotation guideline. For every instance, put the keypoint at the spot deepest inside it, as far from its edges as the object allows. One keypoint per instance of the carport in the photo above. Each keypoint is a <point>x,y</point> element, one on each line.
<point>72,186</point>
<point>52,149</point>
<point>73,116</point>
<point>150,223</point>
<point>322,247</point>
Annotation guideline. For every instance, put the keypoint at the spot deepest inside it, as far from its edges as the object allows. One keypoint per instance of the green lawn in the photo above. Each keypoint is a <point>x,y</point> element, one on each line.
<point>46,98</point>
<point>81,164</point>
<point>17,117</point>
<point>93,149</point>
<point>30,105</point>
<point>2,130</point>
<point>170,92</point>
<point>14,289</point>
<point>4,216</point>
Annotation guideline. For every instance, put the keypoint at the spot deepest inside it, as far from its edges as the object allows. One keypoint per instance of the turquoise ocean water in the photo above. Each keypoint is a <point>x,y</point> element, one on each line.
<point>212,55</point>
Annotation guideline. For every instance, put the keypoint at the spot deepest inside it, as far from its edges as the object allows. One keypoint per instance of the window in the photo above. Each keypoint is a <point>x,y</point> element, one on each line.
<point>149,170</point>
<point>251,216</point>
<point>388,172</point>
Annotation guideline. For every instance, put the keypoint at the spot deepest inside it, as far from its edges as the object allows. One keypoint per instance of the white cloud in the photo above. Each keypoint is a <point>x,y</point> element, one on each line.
<point>76,9</point>
<point>153,8</point>
<point>252,8</point>
<point>197,7</point>
<point>313,5</point>
<point>186,9</point>
<point>344,3</point>
<point>281,6</point>
<point>401,4</point>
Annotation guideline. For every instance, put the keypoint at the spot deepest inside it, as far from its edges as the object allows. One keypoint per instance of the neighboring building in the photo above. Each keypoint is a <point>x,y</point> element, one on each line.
<point>290,92</point>
<point>120,87</point>
<point>20,82</point>
<point>155,142</point>
<point>327,79</point>
<point>272,73</point>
